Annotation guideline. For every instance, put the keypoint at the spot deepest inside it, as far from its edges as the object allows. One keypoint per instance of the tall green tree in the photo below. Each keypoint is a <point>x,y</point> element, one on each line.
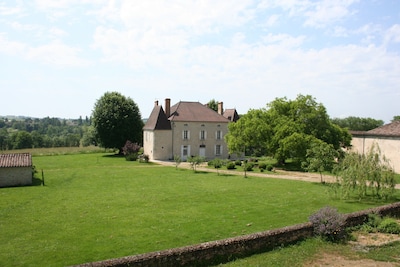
<point>286,129</point>
<point>320,157</point>
<point>213,104</point>
<point>250,134</point>
<point>116,119</point>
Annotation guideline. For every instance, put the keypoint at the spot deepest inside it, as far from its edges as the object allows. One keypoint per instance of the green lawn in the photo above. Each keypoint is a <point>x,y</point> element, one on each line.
<point>98,206</point>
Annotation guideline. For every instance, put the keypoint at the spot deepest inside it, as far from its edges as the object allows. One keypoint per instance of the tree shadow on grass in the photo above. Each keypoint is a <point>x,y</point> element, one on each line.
<point>115,155</point>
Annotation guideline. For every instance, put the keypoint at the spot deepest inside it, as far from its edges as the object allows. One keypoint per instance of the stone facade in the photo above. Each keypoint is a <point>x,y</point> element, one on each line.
<point>15,169</point>
<point>186,129</point>
<point>204,139</point>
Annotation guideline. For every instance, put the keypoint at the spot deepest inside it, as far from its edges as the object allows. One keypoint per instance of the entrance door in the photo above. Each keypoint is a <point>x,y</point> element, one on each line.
<point>185,152</point>
<point>202,151</point>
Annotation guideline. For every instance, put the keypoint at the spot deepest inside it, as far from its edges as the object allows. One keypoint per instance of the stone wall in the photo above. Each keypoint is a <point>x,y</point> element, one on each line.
<point>215,252</point>
<point>15,176</point>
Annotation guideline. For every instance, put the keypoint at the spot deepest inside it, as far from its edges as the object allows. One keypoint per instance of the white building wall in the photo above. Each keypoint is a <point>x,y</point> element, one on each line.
<point>194,141</point>
<point>158,144</point>
<point>389,146</point>
<point>15,176</point>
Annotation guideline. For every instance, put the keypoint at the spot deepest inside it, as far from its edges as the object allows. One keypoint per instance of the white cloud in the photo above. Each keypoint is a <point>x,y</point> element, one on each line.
<point>325,12</point>
<point>10,47</point>
<point>392,34</point>
<point>9,11</point>
<point>56,53</point>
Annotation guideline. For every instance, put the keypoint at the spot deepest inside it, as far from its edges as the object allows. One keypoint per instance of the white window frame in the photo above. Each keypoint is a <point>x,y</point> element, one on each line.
<point>218,135</point>
<point>185,134</point>
<point>204,137</point>
<point>216,150</point>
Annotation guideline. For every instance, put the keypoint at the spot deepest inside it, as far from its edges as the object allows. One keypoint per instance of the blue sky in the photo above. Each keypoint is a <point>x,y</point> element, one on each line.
<point>58,57</point>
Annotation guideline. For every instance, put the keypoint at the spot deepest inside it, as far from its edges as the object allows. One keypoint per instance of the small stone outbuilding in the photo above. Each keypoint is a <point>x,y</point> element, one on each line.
<point>15,169</point>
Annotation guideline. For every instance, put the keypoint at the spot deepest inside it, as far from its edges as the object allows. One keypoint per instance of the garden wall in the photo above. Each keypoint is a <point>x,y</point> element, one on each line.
<point>220,251</point>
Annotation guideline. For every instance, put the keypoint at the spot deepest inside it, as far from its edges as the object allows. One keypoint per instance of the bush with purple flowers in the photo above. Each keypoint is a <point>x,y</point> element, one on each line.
<point>328,223</point>
<point>131,150</point>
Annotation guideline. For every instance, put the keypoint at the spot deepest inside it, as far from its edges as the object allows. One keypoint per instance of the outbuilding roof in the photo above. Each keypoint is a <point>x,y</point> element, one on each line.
<point>15,160</point>
<point>388,130</point>
<point>391,129</point>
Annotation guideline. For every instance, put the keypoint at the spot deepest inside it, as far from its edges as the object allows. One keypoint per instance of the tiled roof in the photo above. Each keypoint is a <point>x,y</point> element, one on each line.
<point>391,129</point>
<point>15,160</point>
<point>157,120</point>
<point>195,112</point>
<point>231,114</point>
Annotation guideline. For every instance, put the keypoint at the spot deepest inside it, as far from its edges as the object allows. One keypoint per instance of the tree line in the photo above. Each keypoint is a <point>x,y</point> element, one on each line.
<point>26,132</point>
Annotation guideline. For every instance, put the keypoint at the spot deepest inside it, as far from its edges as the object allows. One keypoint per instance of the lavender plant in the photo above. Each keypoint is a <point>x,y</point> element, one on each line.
<point>328,223</point>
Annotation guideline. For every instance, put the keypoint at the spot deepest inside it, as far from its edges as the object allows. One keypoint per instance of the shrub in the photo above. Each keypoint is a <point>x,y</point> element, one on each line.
<point>131,150</point>
<point>238,162</point>
<point>270,167</point>
<point>389,226</point>
<point>144,158</point>
<point>328,223</point>
<point>248,166</point>
<point>231,165</point>
<point>262,166</point>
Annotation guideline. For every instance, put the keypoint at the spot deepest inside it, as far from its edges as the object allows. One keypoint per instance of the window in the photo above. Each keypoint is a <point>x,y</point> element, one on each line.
<point>203,135</point>
<point>218,135</point>
<point>218,150</point>
<point>184,151</point>
<point>185,135</point>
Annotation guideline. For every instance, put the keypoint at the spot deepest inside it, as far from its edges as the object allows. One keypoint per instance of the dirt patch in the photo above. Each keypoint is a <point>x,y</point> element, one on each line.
<point>364,242</point>
<point>338,260</point>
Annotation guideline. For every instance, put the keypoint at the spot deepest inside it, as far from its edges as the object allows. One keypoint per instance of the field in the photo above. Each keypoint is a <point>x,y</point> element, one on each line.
<point>98,206</point>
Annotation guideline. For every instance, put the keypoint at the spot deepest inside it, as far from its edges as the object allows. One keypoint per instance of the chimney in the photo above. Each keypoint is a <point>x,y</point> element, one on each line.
<point>167,107</point>
<point>221,108</point>
<point>156,103</point>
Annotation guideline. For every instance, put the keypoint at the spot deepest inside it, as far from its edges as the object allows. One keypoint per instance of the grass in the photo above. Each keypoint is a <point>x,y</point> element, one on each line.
<point>98,206</point>
<point>311,249</point>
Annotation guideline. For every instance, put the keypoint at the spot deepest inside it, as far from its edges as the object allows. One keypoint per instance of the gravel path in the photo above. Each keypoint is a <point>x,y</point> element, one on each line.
<point>280,174</point>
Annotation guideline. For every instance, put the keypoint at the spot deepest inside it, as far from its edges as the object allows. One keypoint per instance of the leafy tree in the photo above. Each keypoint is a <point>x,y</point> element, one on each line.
<point>250,134</point>
<point>320,157</point>
<point>396,118</point>
<point>4,139</point>
<point>358,124</point>
<point>195,161</point>
<point>89,136</point>
<point>177,160</point>
<point>362,173</point>
<point>217,162</point>
<point>22,139</point>
<point>286,129</point>
<point>213,104</point>
<point>117,119</point>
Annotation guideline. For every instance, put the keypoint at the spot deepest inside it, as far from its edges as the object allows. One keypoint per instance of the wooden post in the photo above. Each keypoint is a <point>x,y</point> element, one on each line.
<point>42,178</point>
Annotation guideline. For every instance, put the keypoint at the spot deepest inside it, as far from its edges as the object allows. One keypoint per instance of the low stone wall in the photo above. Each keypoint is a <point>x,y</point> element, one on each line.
<point>215,252</point>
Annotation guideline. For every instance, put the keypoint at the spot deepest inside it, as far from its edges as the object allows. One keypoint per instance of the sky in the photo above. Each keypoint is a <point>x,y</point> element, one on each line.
<point>57,58</point>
